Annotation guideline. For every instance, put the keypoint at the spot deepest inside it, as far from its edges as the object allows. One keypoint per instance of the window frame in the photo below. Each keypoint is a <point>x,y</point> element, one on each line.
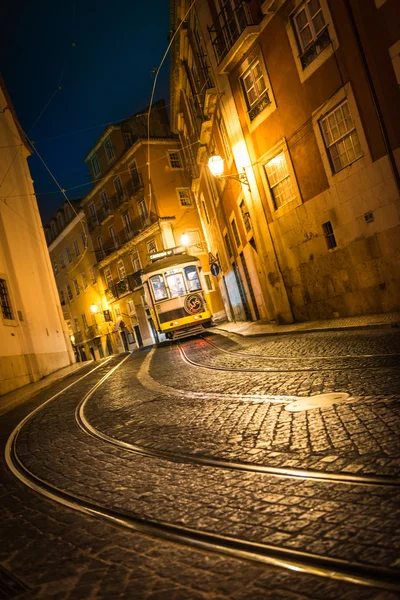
<point>69,254</point>
<point>76,247</point>
<point>95,161</point>
<point>166,296</point>
<point>341,139</point>
<point>149,243</point>
<point>6,303</point>
<point>121,268</point>
<point>84,280</point>
<point>183,190</point>
<point>171,160</point>
<point>108,145</point>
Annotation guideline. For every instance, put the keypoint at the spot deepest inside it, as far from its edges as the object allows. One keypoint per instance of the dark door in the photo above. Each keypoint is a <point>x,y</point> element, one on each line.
<point>124,340</point>
<point>138,336</point>
<point>250,286</point>
<point>241,292</point>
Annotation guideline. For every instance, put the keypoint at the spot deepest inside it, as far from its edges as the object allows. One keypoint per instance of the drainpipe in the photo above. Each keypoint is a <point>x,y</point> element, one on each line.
<point>373,93</point>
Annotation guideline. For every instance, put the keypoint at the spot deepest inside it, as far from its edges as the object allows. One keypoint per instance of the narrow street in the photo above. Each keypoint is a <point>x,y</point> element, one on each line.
<point>216,467</point>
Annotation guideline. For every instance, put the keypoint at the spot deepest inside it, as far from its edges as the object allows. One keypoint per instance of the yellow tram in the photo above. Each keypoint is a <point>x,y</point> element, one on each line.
<point>174,291</point>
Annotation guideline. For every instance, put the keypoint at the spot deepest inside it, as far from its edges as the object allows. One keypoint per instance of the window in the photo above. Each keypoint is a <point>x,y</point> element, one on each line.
<point>245,216</point>
<point>69,293</point>
<point>62,297</point>
<point>126,219</point>
<point>205,210</point>
<point>255,89</point>
<point>76,247</point>
<point>55,267</point>
<point>77,289</point>
<point>101,246</point>
<point>62,263</point>
<point>108,147</point>
<point>95,165</point>
<point>176,285</point>
<point>108,277</point>
<point>279,180</point>
<point>192,278</point>
<point>184,196</point>
<point>84,321</point>
<point>84,239</point>
<point>117,311</point>
<point>92,211</point>
<point>121,269</point>
<point>142,208</point>
<point>118,187</point>
<point>135,260</point>
<point>77,326</point>
<point>158,287</point>
<point>228,245</point>
<point>340,137</point>
<point>5,301</point>
<point>69,255</point>
<point>329,235</point>
<point>113,236</point>
<point>131,307</point>
<point>60,220</point>
<point>135,175</point>
<point>127,139</point>
<point>151,246</point>
<point>174,158</point>
<point>84,280</point>
<point>93,276</point>
<point>208,280</point>
<point>369,217</point>
<point>104,199</point>
<point>311,31</point>
<point>235,233</point>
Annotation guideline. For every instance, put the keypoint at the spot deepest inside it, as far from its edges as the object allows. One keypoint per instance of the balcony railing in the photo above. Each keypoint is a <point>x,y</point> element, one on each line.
<point>92,331</point>
<point>104,213</point>
<point>124,236</point>
<point>322,41</point>
<point>92,223</point>
<point>229,24</point>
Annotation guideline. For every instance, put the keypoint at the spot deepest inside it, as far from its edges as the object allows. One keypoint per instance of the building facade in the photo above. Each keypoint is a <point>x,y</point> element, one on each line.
<point>141,203</point>
<point>33,341</point>
<point>300,97</point>
<point>80,289</point>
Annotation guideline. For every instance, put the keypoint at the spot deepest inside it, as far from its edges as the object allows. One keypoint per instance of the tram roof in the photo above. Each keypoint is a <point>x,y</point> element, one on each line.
<point>169,261</point>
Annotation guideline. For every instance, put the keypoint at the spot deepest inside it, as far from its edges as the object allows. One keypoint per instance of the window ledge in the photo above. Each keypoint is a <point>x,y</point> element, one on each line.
<point>239,48</point>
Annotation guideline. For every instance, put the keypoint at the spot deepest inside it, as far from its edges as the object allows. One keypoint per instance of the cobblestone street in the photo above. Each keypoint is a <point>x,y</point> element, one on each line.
<point>202,470</point>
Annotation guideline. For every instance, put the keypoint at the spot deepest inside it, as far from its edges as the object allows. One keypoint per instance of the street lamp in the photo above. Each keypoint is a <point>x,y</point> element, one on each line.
<point>216,166</point>
<point>185,239</point>
<point>94,308</point>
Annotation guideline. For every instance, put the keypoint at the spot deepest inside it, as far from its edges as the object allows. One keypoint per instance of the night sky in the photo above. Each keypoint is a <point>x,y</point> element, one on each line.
<point>104,52</point>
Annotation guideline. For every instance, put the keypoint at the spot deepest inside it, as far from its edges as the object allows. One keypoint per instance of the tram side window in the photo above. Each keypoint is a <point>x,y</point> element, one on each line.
<point>176,285</point>
<point>158,285</point>
<point>192,278</point>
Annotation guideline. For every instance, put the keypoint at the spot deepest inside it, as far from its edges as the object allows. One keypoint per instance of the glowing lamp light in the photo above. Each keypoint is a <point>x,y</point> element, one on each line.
<point>185,240</point>
<point>94,308</point>
<point>72,338</point>
<point>216,165</point>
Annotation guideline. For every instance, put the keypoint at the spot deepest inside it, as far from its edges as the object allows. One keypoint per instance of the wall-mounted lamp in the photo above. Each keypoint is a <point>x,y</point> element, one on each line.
<point>94,308</point>
<point>216,166</point>
<point>185,240</point>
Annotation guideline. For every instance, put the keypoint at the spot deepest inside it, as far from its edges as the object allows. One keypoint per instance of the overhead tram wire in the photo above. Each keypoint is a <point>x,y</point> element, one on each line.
<point>152,97</point>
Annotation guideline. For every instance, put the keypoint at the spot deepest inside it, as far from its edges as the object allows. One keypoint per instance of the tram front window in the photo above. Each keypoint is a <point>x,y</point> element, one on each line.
<point>192,279</point>
<point>176,285</point>
<point>158,285</point>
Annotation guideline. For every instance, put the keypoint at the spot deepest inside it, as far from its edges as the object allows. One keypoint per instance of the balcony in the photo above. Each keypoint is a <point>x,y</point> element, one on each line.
<point>105,213</point>
<point>92,223</point>
<point>92,332</point>
<point>135,279</point>
<point>118,289</point>
<point>125,235</point>
<point>233,31</point>
<point>134,186</point>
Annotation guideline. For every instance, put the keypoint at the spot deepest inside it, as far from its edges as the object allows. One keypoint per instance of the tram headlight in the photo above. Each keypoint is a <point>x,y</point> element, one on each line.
<point>176,323</point>
<point>196,317</point>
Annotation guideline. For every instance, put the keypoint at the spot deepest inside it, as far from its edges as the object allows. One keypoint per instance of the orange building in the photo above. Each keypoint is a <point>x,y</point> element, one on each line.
<point>302,95</point>
<point>133,211</point>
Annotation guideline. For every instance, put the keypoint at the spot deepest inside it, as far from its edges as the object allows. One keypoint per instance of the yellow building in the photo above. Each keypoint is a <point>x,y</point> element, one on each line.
<point>133,212</point>
<point>33,342</point>
<point>78,282</point>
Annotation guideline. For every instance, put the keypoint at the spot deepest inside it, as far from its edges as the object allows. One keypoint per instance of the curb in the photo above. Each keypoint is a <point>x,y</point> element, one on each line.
<point>392,325</point>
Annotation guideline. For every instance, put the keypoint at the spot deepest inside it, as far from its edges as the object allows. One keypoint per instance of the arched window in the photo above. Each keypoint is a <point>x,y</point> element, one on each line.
<point>60,220</point>
<point>53,229</point>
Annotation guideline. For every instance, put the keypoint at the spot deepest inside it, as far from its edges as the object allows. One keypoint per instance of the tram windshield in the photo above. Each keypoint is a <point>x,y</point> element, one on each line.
<point>159,289</point>
<point>176,285</point>
<point>192,278</point>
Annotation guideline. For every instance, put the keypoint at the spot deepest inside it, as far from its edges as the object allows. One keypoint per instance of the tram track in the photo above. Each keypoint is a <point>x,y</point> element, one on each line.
<point>188,360</point>
<point>334,568</point>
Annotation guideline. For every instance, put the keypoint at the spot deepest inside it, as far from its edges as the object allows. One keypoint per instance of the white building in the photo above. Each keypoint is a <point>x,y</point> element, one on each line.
<point>32,337</point>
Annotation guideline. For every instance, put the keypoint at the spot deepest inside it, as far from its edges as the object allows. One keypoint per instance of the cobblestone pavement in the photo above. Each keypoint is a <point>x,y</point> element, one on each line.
<point>63,554</point>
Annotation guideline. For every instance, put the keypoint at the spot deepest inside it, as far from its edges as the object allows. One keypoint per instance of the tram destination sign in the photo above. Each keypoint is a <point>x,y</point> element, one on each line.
<point>169,252</point>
